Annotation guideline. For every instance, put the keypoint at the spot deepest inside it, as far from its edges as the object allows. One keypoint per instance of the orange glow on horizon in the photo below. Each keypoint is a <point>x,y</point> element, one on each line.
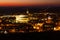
<point>28,2</point>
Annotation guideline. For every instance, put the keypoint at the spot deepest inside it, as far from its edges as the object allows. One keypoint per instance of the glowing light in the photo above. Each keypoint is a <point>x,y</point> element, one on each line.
<point>21,31</point>
<point>34,27</point>
<point>57,28</point>
<point>5,32</point>
<point>37,28</point>
<point>40,24</point>
<point>27,11</point>
<point>22,19</point>
<point>49,17</point>
<point>12,30</point>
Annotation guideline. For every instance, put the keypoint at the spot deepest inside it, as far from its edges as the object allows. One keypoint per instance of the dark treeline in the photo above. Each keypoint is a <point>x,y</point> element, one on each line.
<point>8,10</point>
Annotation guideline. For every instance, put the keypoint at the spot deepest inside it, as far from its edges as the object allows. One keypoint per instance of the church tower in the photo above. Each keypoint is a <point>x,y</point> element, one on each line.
<point>27,11</point>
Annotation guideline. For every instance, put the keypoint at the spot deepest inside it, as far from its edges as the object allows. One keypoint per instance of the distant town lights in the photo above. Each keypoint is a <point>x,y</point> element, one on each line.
<point>22,18</point>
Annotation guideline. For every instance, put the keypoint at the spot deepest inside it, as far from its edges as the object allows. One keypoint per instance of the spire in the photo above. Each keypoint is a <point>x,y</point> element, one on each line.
<point>27,11</point>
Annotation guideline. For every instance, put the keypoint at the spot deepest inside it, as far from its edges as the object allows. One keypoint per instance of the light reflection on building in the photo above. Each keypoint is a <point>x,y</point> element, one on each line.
<point>38,26</point>
<point>57,28</point>
<point>12,30</point>
<point>22,19</point>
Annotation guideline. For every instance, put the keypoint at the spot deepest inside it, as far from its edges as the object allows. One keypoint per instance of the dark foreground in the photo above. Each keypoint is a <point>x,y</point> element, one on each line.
<point>30,36</point>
